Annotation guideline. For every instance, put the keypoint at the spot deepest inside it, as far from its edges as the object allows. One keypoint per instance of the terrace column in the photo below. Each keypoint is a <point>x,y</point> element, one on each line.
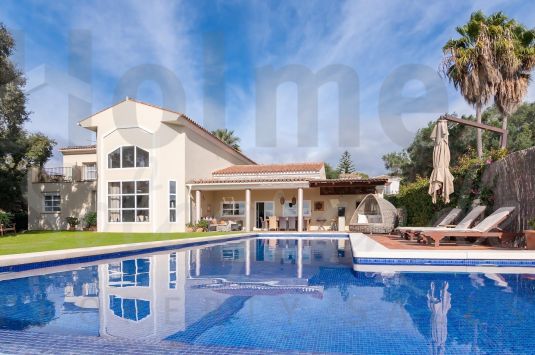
<point>300,209</point>
<point>198,262</point>
<point>248,210</point>
<point>247,257</point>
<point>300,258</point>
<point>197,206</point>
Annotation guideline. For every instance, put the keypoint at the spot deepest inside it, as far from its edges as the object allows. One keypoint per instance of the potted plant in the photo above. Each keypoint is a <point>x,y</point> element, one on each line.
<point>190,227</point>
<point>202,226</point>
<point>90,220</point>
<point>73,222</point>
<point>530,235</point>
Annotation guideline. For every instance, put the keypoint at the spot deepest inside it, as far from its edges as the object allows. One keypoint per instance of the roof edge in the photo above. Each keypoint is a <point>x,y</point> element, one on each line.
<point>181,115</point>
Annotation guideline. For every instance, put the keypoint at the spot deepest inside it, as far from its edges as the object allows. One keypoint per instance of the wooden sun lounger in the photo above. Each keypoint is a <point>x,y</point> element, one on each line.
<point>10,228</point>
<point>448,219</point>
<point>487,228</point>
<point>465,223</point>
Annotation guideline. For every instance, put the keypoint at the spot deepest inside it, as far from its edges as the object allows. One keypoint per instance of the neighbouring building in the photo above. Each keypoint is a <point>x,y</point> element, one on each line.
<point>155,170</point>
<point>392,184</point>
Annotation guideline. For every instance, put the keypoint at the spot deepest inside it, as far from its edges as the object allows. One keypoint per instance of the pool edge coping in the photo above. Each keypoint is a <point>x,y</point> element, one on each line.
<point>367,251</point>
<point>63,254</point>
<point>111,251</point>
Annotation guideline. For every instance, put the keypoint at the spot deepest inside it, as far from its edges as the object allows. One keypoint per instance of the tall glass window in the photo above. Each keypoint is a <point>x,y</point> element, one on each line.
<point>129,273</point>
<point>172,271</point>
<point>128,201</point>
<point>172,201</point>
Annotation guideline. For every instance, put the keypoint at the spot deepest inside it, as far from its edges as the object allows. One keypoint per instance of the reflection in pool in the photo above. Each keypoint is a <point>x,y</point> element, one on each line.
<point>282,294</point>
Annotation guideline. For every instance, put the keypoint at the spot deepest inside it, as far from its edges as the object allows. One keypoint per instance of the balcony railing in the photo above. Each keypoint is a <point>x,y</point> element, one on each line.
<point>66,174</point>
<point>60,174</point>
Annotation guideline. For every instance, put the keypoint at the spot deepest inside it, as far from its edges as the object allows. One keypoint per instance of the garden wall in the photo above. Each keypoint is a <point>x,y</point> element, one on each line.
<point>512,180</point>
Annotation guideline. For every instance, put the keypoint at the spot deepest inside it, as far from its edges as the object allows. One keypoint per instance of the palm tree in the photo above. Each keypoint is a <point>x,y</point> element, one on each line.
<point>516,58</point>
<point>469,64</point>
<point>228,137</point>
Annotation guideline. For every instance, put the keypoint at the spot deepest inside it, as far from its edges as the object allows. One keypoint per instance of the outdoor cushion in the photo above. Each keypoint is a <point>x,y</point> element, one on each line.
<point>374,219</point>
<point>362,218</point>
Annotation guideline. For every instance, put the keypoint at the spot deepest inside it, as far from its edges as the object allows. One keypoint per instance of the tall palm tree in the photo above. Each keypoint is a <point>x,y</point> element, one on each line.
<point>469,64</point>
<point>228,137</point>
<point>515,52</point>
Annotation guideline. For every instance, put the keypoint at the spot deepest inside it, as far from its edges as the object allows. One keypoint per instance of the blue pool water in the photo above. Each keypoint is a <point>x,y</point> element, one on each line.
<point>271,294</point>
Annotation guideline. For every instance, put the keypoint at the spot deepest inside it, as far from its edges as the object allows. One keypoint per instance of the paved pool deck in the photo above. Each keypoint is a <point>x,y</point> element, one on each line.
<point>368,251</point>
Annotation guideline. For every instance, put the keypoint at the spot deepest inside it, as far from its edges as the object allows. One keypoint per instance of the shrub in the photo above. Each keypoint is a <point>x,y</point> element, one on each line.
<point>415,199</point>
<point>73,221</point>
<point>531,223</point>
<point>203,223</point>
<point>5,218</point>
<point>467,173</point>
<point>90,219</point>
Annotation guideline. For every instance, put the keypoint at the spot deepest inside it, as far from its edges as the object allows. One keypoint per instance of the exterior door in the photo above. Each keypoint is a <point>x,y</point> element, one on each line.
<point>264,209</point>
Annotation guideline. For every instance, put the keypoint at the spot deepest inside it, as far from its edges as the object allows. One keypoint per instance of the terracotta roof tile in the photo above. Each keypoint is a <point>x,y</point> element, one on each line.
<point>269,169</point>
<point>244,181</point>
<point>79,147</point>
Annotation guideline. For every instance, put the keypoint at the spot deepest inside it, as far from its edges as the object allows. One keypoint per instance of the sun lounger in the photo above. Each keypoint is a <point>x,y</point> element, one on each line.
<point>465,223</point>
<point>445,221</point>
<point>485,229</point>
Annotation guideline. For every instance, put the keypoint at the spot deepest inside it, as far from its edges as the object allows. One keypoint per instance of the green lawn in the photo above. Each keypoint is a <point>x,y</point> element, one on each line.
<point>50,240</point>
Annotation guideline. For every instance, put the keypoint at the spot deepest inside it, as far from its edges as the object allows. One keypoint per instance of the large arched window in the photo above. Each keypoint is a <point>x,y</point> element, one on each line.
<point>129,308</point>
<point>128,157</point>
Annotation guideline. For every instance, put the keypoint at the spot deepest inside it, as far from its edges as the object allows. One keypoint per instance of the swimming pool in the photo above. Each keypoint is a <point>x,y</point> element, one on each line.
<point>263,294</point>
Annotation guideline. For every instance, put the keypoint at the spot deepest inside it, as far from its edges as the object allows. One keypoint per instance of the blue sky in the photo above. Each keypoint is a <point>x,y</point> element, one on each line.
<point>373,39</point>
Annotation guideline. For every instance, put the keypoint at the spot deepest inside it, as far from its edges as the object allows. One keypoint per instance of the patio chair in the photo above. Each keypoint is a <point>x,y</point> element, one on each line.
<point>485,229</point>
<point>273,223</point>
<point>292,223</point>
<point>465,223</point>
<point>283,223</point>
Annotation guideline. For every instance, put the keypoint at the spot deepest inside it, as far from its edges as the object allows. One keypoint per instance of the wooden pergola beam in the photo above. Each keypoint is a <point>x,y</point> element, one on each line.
<point>455,119</point>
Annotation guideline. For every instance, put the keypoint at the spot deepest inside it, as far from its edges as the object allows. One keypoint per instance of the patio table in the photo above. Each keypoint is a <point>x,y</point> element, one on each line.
<point>321,222</point>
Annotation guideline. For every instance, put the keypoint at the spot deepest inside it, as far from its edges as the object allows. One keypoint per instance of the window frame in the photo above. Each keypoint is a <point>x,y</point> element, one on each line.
<point>169,197</point>
<point>173,261</point>
<point>58,200</point>
<point>90,171</point>
<point>135,158</point>
<point>120,195</point>
<point>120,273</point>
<point>233,208</point>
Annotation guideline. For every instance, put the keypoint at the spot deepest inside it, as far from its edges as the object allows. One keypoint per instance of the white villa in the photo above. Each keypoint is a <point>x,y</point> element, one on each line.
<point>155,170</point>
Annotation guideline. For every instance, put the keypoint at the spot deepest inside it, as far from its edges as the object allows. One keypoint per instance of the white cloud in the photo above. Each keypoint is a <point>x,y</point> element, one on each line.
<point>373,38</point>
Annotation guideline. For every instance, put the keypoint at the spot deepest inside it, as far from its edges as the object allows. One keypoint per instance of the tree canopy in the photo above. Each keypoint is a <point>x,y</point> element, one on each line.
<point>345,165</point>
<point>228,137</point>
<point>492,59</point>
<point>417,159</point>
<point>330,172</point>
<point>18,149</point>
